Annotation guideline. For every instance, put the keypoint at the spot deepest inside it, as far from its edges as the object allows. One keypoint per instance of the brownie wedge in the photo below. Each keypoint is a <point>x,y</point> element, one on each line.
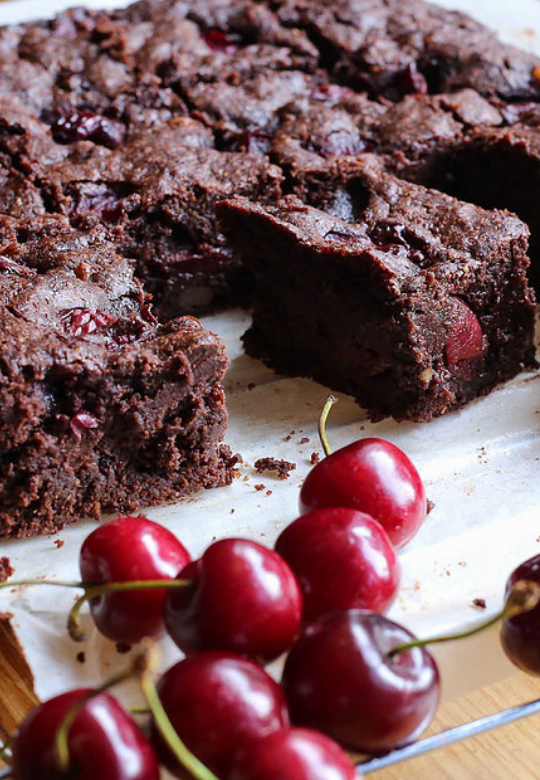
<point>407,299</point>
<point>101,409</point>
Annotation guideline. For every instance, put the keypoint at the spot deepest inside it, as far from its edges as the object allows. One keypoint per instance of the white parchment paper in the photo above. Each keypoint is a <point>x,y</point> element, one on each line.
<point>481,466</point>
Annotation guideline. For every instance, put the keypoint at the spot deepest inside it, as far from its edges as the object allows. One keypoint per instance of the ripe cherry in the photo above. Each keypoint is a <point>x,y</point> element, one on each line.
<point>217,703</point>
<point>244,598</point>
<point>343,560</point>
<point>130,549</point>
<point>372,476</point>
<point>520,633</point>
<point>342,679</point>
<point>293,754</point>
<point>103,741</point>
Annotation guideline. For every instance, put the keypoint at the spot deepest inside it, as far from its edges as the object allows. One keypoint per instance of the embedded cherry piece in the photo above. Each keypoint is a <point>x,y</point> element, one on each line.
<point>343,559</point>
<point>81,422</point>
<point>293,754</point>
<point>465,340</point>
<point>371,476</point>
<point>6,264</point>
<point>412,81</point>
<point>341,679</point>
<point>81,322</point>
<point>520,634</point>
<point>104,742</point>
<point>218,703</point>
<point>124,550</point>
<point>244,598</point>
<point>87,126</point>
<point>220,41</point>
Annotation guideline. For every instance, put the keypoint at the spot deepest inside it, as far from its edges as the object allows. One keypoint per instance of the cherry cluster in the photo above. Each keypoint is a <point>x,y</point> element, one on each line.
<point>352,678</point>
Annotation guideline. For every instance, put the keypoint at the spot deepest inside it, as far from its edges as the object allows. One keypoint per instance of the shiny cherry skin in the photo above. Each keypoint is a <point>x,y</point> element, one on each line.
<point>104,742</point>
<point>218,702</point>
<point>372,476</point>
<point>339,679</point>
<point>123,550</point>
<point>293,754</point>
<point>343,560</point>
<point>244,599</point>
<point>520,635</point>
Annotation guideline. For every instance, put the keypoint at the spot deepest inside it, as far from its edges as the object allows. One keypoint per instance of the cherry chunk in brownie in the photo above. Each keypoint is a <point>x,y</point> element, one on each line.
<point>101,409</point>
<point>405,298</point>
<point>393,48</point>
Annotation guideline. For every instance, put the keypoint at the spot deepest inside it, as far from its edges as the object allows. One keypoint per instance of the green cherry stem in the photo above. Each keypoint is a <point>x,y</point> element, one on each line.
<point>330,401</point>
<point>93,590</point>
<point>74,624</point>
<point>167,731</point>
<point>524,596</point>
<point>61,742</point>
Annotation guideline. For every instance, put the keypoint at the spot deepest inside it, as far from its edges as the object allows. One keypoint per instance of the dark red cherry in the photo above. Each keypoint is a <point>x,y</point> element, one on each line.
<point>130,549</point>
<point>520,634</point>
<point>372,476</point>
<point>340,679</point>
<point>244,598</point>
<point>464,341</point>
<point>81,322</point>
<point>293,754</point>
<point>87,126</point>
<point>217,703</point>
<point>343,560</point>
<point>104,742</point>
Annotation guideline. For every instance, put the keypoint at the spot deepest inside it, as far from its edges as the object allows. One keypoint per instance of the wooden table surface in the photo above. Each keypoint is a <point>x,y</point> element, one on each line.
<point>511,752</point>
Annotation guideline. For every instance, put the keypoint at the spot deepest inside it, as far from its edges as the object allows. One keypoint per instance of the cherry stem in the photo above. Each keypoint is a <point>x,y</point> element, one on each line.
<point>524,596</point>
<point>74,624</point>
<point>168,733</point>
<point>330,401</point>
<point>94,590</point>
<point>142,666</point>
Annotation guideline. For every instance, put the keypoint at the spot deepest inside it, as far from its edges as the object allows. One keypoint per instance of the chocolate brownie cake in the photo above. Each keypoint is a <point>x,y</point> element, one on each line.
<point>101,408</point>
<point>409,300</point>
<point>122,131</point>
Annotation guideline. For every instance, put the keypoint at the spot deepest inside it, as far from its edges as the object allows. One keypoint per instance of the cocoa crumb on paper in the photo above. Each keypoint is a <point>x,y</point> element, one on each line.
<point>259,487</point>
<point>269,492</point>
<point>81,657</point>
<point>480,603</point>
<point>430,506</point>
<point>282,467</point>
<point>6,569</point>
<point>315,458</point>
<point>58,543</point>
<point>288,437</point>
<point>304,440</point>
<point>251,386</point>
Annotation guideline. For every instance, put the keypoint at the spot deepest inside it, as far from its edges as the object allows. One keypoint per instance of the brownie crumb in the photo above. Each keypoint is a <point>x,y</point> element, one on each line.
<point>480,603</point>
<point>123,648</point>
<point>59,543</point>
<point>6,569</point>
<point>251,386</point>
<point>259,487</point>
<point>315,458</point>
<point>269,492</point>
<point>430,506</point>
<point>281,467</point>
<point>81,657</point>
<point>288,437</point>
<point>233,511</point>
<point>304,440</point>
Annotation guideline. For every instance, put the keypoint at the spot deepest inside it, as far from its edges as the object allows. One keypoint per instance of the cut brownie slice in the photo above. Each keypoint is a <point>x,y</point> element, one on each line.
<point>101,409</point>
<point>409,300</point>
<point>394,48</point>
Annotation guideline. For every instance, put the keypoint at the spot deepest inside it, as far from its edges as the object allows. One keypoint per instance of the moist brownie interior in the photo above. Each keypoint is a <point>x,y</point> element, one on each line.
<point>175,153</point>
